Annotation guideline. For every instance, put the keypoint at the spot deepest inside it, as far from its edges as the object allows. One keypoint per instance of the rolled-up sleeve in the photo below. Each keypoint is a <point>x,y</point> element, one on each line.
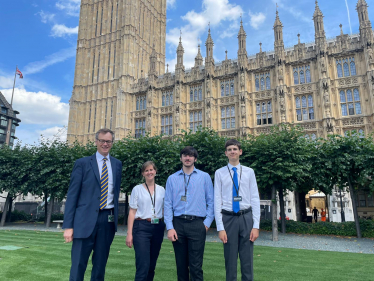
<point>255,200</point>
<point>168,205</point>
<point>209,195</point>
<point>218,201</point>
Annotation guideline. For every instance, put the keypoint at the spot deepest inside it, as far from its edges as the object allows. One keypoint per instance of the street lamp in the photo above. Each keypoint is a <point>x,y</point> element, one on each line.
<point>340,195</point>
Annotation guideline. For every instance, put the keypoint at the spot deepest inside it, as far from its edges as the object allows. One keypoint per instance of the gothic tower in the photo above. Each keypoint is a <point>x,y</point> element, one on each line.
<point>242,50</point>
<point>366,33</point>
<point>209,60</point>
<point>115,42</point>
<point>319,29</point>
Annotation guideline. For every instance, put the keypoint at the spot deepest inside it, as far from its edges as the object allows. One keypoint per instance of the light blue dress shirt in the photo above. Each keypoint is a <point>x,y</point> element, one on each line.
<point>200,198</point>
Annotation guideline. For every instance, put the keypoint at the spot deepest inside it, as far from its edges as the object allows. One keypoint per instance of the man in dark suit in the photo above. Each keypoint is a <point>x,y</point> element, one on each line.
<point>91,209</point>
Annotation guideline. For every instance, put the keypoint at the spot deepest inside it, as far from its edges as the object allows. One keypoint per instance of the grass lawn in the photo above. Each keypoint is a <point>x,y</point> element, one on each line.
<point>44,256</point>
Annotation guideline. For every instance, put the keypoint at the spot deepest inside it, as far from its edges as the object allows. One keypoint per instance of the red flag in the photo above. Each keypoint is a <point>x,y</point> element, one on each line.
<point>19,73</point>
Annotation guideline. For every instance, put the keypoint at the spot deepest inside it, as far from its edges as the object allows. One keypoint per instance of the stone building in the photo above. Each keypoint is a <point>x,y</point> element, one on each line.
<point>326,86</point>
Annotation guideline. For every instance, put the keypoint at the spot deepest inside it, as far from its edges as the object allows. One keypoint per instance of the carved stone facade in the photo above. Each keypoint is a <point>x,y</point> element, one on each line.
<point>326,86</point>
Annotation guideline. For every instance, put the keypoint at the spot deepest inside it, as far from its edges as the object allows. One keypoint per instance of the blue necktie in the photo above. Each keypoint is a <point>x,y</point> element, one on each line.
<point>235,204</point>
<point>104,185</point>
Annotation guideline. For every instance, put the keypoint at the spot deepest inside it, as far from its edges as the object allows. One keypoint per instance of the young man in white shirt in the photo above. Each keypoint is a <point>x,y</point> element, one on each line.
<point>237,212</point>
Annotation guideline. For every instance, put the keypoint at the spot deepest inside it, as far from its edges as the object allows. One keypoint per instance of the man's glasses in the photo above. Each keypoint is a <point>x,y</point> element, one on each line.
<point>105,141</point>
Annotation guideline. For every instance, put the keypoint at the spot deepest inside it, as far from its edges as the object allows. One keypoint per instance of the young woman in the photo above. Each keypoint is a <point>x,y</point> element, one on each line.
<point>145,223</point>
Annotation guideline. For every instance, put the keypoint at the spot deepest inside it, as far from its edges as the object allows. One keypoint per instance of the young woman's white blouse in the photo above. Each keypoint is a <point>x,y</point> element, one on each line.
<point>141,201</point>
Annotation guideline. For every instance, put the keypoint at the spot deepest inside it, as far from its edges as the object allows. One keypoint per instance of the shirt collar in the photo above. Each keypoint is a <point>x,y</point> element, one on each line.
<point>100,157</point>
<point>231,166</point>
<point>194,171</point>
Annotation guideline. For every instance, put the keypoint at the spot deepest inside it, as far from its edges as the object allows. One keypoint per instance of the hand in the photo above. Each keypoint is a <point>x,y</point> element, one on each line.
<point>222,236</point>
<point>206,228</point>
<point>254,234</point>
<point>129,240</point>
<point>172,235</point>
<point>68,235</point>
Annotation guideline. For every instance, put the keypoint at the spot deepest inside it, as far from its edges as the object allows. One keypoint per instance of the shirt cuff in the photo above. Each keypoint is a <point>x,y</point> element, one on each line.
<point>256,224</point>
<point>219,226</point>
<point>169,225</point>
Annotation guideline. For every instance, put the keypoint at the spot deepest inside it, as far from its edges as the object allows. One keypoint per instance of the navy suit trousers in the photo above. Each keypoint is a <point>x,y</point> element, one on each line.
<point>147,240</point>
<point>99,242</point>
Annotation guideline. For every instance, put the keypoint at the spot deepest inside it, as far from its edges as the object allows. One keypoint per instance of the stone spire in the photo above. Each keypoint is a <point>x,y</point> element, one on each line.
<point>366,32</point>
<point>209,60</point>
<point>180,51</point>
<point>278,37</point>
<point>153,62</point>
<point>320,37</point>
<point>242,42</point>
<point>198,58</point>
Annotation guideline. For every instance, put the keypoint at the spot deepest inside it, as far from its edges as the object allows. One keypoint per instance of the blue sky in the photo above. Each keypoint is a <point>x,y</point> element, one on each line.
<point>40,37</point>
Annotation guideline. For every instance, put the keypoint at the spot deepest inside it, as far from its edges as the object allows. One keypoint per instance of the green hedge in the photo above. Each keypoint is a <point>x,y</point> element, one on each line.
<point>324,228</point>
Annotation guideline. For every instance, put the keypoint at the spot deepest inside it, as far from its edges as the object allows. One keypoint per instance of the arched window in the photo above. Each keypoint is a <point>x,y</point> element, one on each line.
<point>349,96</point>
<point>296,78</point>
<point>137,104</point>
<point>302,77</point>
<point>222,90</point>
<point>313,136</point>
<point>358,108</point>
<point>258,108</point>
<point>340,71</point>
<point>227,89</point>
<point>353,68</point>
<point>269,106</point>
<point>361,133</point>
<point>145,103</point>
<point>257,85</point>
<point>307,74</point>
<point>163,100</point>
<point>195,95</point>
<point>356,94</point>
<point>297,100</point>
<point>263,107</point>
<point>310,101</point>
<point>167,100</point>
<point>311,113</point>
<point>342,96</point>
<point>200,94</point>
<point>268,83</point>
<point>303,101</point>
<point>171,99</point>
<point>346,69</point>
<point>262,84</point>
<point>232,89</point>
<point>191,95</point>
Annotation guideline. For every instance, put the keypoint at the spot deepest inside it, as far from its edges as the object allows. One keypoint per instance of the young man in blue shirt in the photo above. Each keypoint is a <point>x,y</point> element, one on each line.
<point>188,213</point>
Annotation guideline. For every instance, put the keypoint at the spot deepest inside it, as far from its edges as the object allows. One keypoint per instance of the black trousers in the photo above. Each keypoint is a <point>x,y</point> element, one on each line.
<point>238,230</point>
<point>147,240</point>
<point>189,248</point>
<point>99,242</point>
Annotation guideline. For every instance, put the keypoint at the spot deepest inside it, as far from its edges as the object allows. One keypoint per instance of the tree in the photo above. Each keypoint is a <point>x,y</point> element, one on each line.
<point>350,161</point>
<point>280,160</point>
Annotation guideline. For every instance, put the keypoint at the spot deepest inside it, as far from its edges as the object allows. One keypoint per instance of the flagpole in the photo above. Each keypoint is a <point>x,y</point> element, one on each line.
<point>14,83</point>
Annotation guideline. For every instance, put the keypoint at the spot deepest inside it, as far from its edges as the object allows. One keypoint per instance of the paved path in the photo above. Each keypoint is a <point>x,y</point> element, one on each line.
<point>296,241</point>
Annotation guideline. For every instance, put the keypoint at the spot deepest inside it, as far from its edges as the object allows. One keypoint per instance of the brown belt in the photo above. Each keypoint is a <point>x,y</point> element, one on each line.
<point>139,219</point>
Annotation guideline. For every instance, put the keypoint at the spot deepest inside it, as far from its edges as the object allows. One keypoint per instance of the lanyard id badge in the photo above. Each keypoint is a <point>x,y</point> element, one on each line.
<point>111,217</point>
<point>237,198</point>
<point>184,197</point>
<point>154,219</point>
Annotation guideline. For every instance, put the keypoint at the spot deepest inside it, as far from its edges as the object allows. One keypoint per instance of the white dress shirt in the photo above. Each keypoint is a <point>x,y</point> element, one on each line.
<point>100,162</point>
<point>223,193</point>
<point>140,200</point>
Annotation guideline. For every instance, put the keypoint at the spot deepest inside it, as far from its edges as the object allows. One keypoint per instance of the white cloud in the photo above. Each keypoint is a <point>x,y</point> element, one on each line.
<point>293,11</point>
<point>231,30</point>
<point>256,19</point>
<point>215,12</point>
<point>45,16</point>
<point>38,108</point>
<point>170,3</point>
<point>54,133</point>
<point>54,58</point>
<point>71,7</point>
<point>61,30</point>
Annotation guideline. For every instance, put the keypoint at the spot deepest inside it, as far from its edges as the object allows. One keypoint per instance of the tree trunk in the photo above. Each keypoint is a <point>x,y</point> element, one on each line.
<point>282,214</point>
<point>3,217</point>
<point>274,221</point>
<point>355,214</point>
<point>50,210</point>
<point>9,215</point>
<point>126,209</point>
<point>327,207</point>
<point>45,207</point>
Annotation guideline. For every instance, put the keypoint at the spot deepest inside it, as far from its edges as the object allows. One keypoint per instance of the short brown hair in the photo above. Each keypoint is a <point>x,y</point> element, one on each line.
<point>232,142</point>
<point>190,151</point>
<point>104,131</point>
<point>148,163</point>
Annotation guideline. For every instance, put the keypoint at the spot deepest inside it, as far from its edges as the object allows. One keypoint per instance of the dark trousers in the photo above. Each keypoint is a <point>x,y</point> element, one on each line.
<point>147,240</point>
<point>99,242</point>
<point>189,248</point>
<point>238,230</point>
<point>315,217</point>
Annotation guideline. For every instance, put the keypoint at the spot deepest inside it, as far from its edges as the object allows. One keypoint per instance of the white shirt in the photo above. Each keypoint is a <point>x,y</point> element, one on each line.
<point>140,200</point>
<point>100,162</point>
<point>223,193</point>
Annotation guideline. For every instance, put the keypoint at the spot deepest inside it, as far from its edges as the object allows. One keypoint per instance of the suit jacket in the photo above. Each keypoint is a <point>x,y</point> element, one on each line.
<point>83,198</point>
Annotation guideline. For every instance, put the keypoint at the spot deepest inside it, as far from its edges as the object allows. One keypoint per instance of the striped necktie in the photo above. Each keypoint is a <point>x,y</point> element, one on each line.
<point>104,185</point>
